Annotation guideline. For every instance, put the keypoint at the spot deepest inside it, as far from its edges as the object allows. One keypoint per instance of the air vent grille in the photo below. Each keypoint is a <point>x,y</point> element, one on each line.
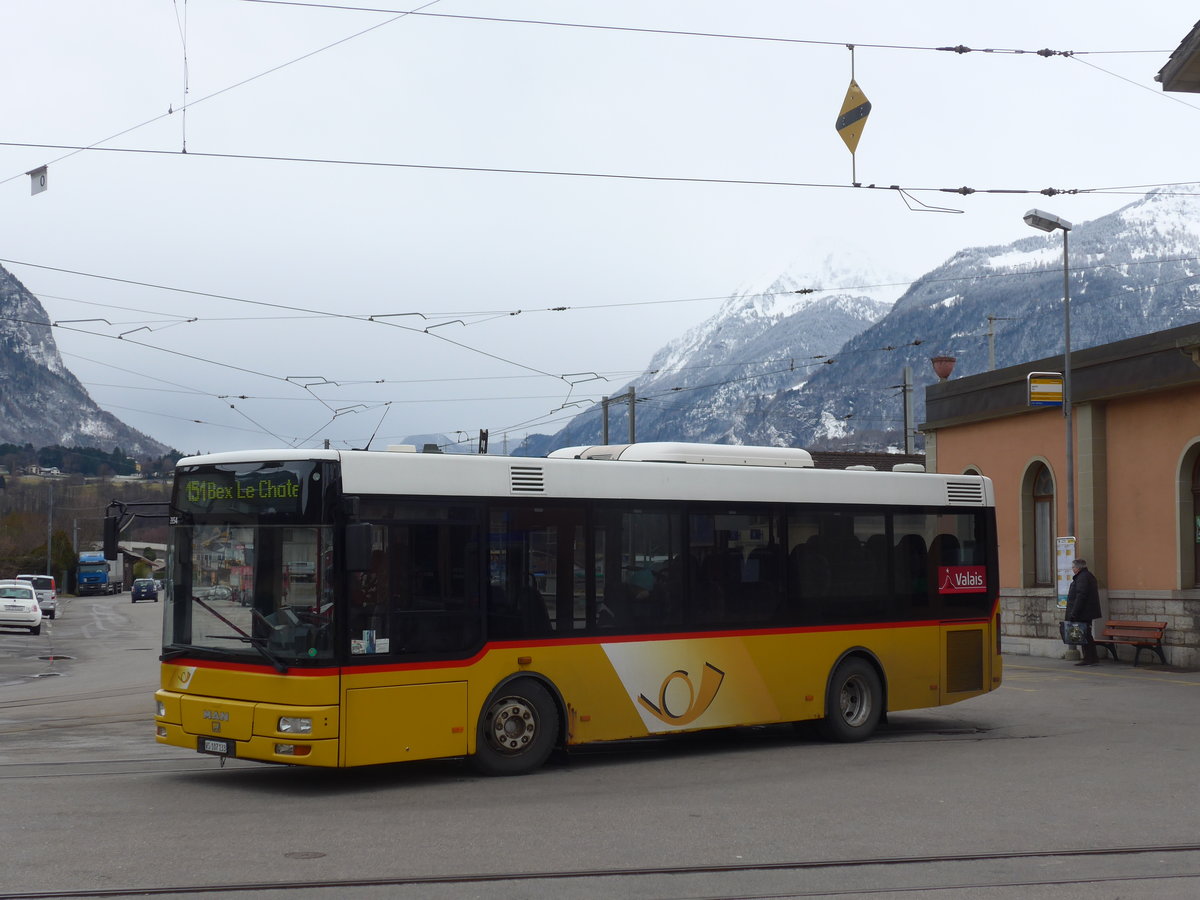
<point>964,492</point>
<point>527,479</point>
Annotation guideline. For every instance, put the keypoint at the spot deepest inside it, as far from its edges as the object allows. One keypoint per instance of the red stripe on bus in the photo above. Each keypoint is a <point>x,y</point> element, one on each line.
<point>587,640</point>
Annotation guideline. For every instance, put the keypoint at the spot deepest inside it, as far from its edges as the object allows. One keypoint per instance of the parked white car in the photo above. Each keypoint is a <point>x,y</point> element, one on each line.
<point>19,606</point>
<point>47,593</point>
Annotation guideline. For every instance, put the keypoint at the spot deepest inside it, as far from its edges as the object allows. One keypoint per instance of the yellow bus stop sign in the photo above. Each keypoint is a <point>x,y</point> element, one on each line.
<point>853,117</point>
<point>1045,388</point>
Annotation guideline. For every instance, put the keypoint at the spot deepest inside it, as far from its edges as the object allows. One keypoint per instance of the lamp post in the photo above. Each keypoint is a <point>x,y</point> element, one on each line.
<point>1044,221</point>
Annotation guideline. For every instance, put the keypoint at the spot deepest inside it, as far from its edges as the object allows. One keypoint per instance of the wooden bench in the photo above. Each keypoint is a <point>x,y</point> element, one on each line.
<point>1140,635</point>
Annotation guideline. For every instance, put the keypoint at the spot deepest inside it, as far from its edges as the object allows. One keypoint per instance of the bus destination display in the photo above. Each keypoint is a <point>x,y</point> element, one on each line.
<point>278,491</point>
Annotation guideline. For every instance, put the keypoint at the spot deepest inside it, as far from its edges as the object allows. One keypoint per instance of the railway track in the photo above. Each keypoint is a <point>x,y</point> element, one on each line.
<point>690,881</point>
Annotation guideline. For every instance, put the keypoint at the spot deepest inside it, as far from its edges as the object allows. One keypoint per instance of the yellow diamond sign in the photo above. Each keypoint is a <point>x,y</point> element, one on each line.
<point>853,117</point>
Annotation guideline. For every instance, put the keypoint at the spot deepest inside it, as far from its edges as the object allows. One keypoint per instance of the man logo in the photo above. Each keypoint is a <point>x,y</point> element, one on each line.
<point>698,703</point>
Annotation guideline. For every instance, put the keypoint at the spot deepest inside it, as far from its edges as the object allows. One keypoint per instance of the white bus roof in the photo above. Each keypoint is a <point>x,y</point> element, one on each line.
<point>646,472</point>
<point>704,454</point>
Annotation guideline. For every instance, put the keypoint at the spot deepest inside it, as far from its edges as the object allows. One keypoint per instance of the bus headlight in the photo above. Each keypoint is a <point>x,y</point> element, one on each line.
<point>161,708</point>
<point>294,725</point>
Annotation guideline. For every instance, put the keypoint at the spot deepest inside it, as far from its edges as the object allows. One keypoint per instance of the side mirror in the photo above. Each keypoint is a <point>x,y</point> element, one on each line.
<point>111,530</point>
<point>358,547</point>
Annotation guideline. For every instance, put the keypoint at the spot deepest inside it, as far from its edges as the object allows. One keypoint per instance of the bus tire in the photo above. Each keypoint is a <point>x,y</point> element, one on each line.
<point>853,702</point>
<point>518,729</point>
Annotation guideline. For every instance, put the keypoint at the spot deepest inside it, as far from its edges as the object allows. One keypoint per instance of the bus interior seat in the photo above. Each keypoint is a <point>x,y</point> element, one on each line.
<point>535,617</point>
<point>911,572</point>
<point>944,550</point>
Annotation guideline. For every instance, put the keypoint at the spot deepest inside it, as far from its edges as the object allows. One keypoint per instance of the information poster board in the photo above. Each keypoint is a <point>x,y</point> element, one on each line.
<point>1064,556</point>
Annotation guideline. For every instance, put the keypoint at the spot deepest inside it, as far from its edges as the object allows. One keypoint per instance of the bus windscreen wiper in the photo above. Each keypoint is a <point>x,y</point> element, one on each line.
<point>257,643</point>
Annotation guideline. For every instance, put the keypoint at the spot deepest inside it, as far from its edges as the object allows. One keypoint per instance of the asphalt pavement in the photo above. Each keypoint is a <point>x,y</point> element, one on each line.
<point>1066,782</point>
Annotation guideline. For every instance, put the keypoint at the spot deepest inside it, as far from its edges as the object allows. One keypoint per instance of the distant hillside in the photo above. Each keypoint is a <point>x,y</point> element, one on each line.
<point>750,375</point>
<point>41,403</point>
<point>712,384</point>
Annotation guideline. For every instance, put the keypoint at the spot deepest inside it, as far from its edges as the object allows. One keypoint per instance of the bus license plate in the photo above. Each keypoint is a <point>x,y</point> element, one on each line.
<point>219,746</point>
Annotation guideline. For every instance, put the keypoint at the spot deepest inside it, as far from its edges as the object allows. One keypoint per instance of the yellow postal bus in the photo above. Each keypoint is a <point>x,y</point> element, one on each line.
<point>350,608</point>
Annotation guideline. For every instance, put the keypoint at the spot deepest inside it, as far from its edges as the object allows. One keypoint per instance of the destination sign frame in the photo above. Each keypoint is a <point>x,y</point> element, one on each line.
<point>255,491</point>
<point>1044,388</point>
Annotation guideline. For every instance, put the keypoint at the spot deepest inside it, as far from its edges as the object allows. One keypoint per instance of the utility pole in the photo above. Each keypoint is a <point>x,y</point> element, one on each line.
<point>906,389</point>
<point>991,334</point>
<point>49,526</point>
<point>908,410</point>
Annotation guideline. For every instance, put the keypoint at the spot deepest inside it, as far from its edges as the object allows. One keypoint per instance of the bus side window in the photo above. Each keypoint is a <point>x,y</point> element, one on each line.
<point>642,568</point>
<point>912,575</point>
<point>369,601</point>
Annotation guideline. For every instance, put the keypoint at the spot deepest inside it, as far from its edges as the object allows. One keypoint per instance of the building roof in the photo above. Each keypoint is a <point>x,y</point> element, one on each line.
<point>1182,71</point>
<point>1152,362</point>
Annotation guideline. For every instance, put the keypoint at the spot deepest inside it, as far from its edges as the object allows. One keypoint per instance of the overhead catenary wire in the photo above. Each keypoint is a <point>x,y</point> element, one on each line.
<point>335,315</point>
<point>421,11</point>
<point>183,109</point>
<point>959,49</point>
<point>1168,95</point>
<point>181,22</point>
<point>899,190</point>
<point>502,313</point>
<point>823,357</point>
<point>956,50</point>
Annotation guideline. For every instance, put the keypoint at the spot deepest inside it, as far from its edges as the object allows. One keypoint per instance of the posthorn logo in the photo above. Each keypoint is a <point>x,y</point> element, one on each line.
<point>697,701</point>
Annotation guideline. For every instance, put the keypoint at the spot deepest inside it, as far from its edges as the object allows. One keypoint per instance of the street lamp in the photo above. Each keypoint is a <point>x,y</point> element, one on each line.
<point>1044,221</point>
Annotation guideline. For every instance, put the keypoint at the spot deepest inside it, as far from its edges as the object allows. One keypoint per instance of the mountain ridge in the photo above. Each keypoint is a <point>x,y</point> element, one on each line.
<point>1132,271</point>
<point>41,402</point>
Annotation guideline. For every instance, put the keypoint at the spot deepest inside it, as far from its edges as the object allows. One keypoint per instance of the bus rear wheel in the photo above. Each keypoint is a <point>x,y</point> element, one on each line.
<point>517,729</point>
<point>853,702</point>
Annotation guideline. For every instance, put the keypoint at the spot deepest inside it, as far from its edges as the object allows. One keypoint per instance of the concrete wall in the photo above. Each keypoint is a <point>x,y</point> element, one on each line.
<point>1030,623</point>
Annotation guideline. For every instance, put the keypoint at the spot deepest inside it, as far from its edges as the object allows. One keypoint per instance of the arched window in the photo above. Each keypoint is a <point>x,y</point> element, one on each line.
<point>1043,527</point>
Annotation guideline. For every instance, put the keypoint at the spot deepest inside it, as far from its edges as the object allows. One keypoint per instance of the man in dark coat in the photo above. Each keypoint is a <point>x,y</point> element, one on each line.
<point>1083,605</point>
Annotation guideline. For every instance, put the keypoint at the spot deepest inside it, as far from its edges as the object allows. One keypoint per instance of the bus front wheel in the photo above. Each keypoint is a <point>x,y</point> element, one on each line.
<point>517,730</point>
<point>853,702</point>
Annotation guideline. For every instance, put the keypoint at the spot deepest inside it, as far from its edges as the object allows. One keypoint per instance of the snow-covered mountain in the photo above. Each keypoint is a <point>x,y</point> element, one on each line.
<point>812,357</point>
<point>748,376</point>
<point>41,403</point>
<point>714,383</point>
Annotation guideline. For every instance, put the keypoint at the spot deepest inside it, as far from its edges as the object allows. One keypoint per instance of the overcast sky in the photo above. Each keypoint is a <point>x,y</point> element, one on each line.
<point>358,180</point>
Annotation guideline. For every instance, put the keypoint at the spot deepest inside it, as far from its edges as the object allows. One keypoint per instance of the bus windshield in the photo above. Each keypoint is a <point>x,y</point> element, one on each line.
<point>251,578</point>
<point>254,588</point>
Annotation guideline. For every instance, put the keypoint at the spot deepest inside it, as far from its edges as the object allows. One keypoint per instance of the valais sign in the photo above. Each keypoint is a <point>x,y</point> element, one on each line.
<point>962,579</point>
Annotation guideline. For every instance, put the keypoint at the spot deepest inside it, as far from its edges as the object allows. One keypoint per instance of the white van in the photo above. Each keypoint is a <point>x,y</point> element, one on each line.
<point>47,592</point>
